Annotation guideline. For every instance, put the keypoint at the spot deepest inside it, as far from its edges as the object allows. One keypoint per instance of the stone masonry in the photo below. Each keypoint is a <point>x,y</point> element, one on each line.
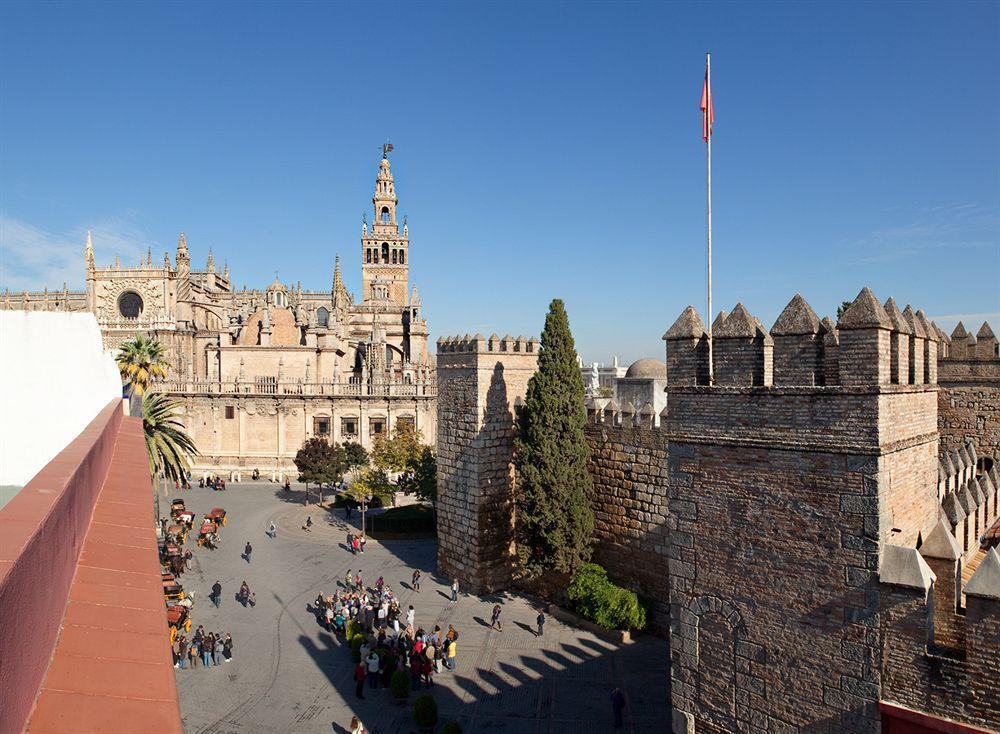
<point>969,406</point>
<point>773,520</point>
<point>481,382</point>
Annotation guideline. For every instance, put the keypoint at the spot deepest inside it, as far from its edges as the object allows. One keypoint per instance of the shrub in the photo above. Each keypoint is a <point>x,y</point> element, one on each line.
<point>351,630</point>
<point>599,600</point>
<point>452,727</point>
<point>399,684</point>
<point>406,519</point>
<point>425,711</point>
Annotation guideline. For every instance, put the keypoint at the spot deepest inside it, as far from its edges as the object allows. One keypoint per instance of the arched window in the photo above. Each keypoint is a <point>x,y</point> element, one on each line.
<point>402,257</point>
<point>322,316</point>
<point>385,215</point>
<point>368,254</point>
<point>385,252</point>
<point>394,257</point>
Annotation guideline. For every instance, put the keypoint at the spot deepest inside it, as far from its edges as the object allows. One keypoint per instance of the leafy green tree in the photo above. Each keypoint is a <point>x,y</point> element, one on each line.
<point>554,521</point>
<point>421,476</point>
<point>141,363</point>
<point>356,457</point>
<point>168,447</point>
<point>842,308</point>
<point>320,463</point>
<point>372,484</point>
<point>399,452</point>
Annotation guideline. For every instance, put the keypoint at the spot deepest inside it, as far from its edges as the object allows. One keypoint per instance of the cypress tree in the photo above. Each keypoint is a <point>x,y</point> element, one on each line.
<point>554,520</point>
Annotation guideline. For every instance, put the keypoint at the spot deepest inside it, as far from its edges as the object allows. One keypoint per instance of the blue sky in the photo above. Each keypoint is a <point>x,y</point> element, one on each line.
<point>542,150</point>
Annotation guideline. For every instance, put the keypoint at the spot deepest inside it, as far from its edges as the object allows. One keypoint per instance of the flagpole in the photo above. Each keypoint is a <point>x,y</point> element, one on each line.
<point>708,197</point>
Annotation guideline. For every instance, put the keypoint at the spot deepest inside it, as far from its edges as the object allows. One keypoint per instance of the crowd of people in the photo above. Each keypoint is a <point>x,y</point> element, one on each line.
<point>390,638</point>
<point>208,648</point>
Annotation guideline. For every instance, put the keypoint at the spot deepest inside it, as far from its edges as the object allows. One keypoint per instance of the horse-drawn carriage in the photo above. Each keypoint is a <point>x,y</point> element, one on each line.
<point>177,533</point>
<point>208,535</point>
<point>178,617</point>
<point>172,589</point>
<point>217,515</point>
<point>180,513</point>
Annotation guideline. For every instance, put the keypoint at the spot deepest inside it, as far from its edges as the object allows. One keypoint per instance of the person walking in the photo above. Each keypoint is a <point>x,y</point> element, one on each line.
<point>272,531</point>
<point>495,621</point>
<point>540,621</point>
<point>308,527</point>
<point>360,671</point>
<point>617,706</point>
<point>415,582</point>
<point>410,613</point>
<point>247,551</point>
<point>356,726</point>
<point>454,591</point>
<point>348,580</point>
<point>182,653</point>
<point>216,594</point>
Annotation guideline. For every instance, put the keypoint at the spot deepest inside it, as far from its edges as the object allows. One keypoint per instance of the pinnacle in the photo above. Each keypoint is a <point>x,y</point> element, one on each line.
<point>941,544</point>
<point>904,567</point>
<point>913,320</point>
<point>688,325</point>
<point>985,332</point>
<point>986,580</point>
<point>865,312</point>
<point>929,329</point>
<point>899,322</point>
<point>959,331</point>
<point>740,323</point>
<point>797,318</point>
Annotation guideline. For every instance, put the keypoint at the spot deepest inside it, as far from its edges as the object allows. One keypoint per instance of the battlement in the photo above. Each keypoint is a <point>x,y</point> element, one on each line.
<point>981,346</point>
<point>482,345</point>
<point>938,649</point>
<point>969,493</point>
<point>872,346</point>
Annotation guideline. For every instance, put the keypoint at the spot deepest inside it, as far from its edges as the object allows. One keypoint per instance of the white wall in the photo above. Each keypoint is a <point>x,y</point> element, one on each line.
<point>54,379</point>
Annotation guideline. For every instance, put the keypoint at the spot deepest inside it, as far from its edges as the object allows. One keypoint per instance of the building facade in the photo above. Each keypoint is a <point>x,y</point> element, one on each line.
<point>257,372</point>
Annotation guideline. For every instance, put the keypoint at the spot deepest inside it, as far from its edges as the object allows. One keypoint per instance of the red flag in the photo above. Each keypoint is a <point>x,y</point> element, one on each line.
<point>707,110</point>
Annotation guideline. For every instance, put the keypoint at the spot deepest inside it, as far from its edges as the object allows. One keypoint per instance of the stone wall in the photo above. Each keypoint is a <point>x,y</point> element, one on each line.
<point>479,382</point>
<point>969,404</point>
<point>629,467</point>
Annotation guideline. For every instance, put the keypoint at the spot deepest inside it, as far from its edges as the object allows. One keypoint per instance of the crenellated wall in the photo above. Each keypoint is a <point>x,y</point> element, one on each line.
<point>771,515</point>
<point>969,402</point>
<point>480,380</point>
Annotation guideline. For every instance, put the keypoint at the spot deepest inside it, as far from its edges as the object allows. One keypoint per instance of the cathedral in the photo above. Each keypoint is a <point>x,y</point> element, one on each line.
<point>257,372</point>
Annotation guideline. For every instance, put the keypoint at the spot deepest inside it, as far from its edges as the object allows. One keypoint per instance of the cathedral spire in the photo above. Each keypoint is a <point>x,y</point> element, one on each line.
<point>89,251</point>
<point>182,250</point>
<point>149,257</point>
<point>210,265</point>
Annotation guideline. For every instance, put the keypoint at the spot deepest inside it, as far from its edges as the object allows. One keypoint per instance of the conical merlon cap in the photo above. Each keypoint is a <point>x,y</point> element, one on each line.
<point>899,322</point>
<point>865,312</point>
<point>797,318</point>
<point>986,580</point>
<point>687,326</point>
<point>740,323</point>
<point>941,544</point>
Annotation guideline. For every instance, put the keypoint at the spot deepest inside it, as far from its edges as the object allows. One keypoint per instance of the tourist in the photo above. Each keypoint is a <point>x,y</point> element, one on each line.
<point>193,653</point>
<point>454,591</point>
<point>207,646</point>
<point>409,615</point>
<point>452,651</point>
<point>247,551</point>
<point>272,531</point>
<point>227,647</point>
<point>309,524</point>
<point>182,653</point>
<point>355,544</point>
<point>328,616</point>
<point>372,664</point>
<point>495,621</point>
<point>219,646</point>
<point>347,580</point>
<point>216,594</point>
<point>540,621</point>
<point>356,726</point>
<point>347,510</point>
<point>359,679</point>
<point>244,593</point>
<point>415,581</point>
<point>288,486</point>
<point>617,705</point>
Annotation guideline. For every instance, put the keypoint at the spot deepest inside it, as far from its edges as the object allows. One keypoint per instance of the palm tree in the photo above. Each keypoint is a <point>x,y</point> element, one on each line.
<point>168,446</point>
<point>142,362</point>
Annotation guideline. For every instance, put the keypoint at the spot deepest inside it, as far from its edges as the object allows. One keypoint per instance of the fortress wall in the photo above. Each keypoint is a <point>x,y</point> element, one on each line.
<point>629,468</point>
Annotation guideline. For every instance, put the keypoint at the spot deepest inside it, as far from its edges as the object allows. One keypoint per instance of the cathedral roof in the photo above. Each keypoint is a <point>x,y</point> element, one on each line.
<point>284,332</point>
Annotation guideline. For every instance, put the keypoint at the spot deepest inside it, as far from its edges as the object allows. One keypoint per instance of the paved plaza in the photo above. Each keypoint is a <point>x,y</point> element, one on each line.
<point>290,675</point>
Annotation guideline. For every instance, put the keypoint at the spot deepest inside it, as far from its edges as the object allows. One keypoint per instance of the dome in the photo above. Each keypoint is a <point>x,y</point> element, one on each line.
<point>652,369</point>
<point>277,285</point>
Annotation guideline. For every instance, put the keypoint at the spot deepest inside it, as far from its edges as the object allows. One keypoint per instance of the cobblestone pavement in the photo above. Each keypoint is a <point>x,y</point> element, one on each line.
<point>289,675</point>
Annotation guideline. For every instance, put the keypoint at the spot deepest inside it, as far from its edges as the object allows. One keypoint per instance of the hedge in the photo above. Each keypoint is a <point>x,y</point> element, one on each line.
<point>407,519</point>
<point>596,598</point>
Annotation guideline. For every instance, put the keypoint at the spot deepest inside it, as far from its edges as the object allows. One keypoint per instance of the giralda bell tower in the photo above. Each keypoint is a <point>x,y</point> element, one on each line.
<point>385,253</point>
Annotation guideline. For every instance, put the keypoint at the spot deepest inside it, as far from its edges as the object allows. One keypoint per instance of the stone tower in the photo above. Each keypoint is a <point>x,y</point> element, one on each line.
<point>384,251</point>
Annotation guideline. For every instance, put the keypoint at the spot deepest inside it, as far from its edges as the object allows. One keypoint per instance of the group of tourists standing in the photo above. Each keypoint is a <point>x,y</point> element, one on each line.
<point>208,648</point>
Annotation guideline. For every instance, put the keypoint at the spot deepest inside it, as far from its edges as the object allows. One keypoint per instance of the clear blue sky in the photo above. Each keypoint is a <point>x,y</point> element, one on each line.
<point>542,150</point>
